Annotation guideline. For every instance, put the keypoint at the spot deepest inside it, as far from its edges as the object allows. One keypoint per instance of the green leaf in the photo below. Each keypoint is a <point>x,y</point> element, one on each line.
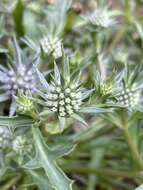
<point>18,14</point>
<point>16,121</point>
<point>78,118</point>
<point>62,121</point>
<point>95,109</point>
<point>45,158</point>
<point>57,15</point>
<point>39,179</point>
<point>3,97</point>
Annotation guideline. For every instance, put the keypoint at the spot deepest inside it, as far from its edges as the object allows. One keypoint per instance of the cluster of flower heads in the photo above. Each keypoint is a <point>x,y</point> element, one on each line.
<point>63,95</point>
<point>121,89</point>
<point>100,18</point>
<point>52,46</point>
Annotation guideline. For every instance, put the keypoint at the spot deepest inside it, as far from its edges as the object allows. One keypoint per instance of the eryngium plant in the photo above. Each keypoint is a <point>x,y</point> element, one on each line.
<point>26,104</point>
<point>129,90</point>
<point>100,18</point>
<point>65,96</point>
<point>52,46</point>
<point>19,76</point>
<point>108,152</point>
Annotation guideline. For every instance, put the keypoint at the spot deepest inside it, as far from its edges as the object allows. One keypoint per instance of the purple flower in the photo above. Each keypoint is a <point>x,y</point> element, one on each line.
<point>21,78</point>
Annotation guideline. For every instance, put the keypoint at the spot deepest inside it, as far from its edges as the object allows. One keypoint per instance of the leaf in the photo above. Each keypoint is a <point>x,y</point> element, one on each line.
<point>62,121</point>
<point>87,93</point>
<point>57,15</point>
<point>4,170</point>
<point>89,132</point>
<point>66,67</point>
<point>13,106</point>
<point>3,97</point>
<point>57,75</point>
<point>29,42</point>
<point>18,14</point>
<point>18,59</point>
<point>78,118</point>
<point>46,158</point>
<point>95,109</point>
<point>16,121</point>
<point>42,79</point>
<point>37,178</point>
<point>63,149</point>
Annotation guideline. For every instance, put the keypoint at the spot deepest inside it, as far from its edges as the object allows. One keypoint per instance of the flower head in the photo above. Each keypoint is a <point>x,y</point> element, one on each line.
<point>128,90</point>
<point>104,88</point>
<point>65,96</point>
<point>18,76</point>
<point>129,97</point>
<point>21,77</point>
<point>64,100</point>
<point>25,104</point>
<point>100,18</point>
<point>52,46</point>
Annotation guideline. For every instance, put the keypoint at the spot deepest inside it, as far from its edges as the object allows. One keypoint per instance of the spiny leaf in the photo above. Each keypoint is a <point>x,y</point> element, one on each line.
<point>18,14</point>
<point>37,178</point>
<point>16,121</point>
<point>45,158</point>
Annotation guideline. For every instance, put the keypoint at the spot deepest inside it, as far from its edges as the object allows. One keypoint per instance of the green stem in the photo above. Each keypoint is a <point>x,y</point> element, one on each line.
<point>133,148</point>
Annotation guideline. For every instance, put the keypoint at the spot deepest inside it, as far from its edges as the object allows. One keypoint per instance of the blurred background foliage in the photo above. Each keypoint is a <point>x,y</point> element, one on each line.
<point>108,153</point>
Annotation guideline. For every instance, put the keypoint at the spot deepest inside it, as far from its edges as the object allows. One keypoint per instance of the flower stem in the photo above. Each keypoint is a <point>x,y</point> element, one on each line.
<point>133,148</point>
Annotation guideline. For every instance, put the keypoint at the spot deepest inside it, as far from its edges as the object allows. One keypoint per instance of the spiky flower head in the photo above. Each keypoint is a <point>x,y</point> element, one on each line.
<point>104,88</point>
<point>129,91</point>
<point>21,145</point>
<point>52,46</point>
<point>18,77</point>
<point>5,137</point>
<point>65,96</point>
<point>129,97</point>
<point>25,104</point>
<point>64,100</point>
<point>100,18</point>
